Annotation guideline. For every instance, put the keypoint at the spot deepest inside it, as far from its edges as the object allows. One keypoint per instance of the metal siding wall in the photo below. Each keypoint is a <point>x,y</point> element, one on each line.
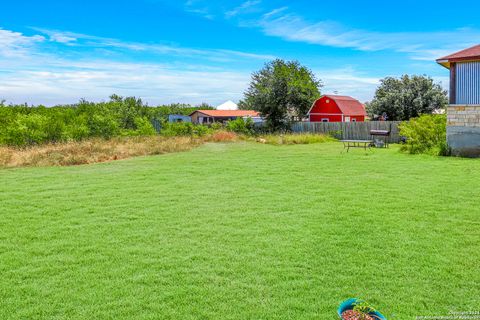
<point>468,83</point>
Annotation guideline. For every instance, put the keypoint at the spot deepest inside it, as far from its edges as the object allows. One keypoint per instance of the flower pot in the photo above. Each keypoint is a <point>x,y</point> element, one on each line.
<point>350,303</point>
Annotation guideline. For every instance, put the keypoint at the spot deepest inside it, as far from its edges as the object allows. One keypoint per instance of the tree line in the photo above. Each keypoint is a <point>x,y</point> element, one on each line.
<point>23,125</point>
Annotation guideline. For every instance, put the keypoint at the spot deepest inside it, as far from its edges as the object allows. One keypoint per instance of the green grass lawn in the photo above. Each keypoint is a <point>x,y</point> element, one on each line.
<point>241,231</point>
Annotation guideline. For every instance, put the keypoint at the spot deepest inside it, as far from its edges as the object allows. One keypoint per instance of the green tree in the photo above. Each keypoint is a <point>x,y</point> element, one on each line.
<point>407,97</point>
<point>205,106</point>
<point>282,91</point>
<point>127,110</point>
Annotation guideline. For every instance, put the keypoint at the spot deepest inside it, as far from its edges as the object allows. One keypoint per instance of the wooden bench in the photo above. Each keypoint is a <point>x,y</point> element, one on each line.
<point>347,144</point>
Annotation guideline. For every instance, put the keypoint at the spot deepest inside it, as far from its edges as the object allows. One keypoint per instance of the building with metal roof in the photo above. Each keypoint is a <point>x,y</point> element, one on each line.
<point>334,108</point>
<point>463,113</point>
<point>211,116</point>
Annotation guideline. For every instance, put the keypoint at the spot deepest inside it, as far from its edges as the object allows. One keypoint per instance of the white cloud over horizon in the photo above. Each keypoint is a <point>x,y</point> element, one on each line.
<point>33,71</point>
<point>347,81</point>
<point>417,45</point>
<point>78,39</point>
<point>15,44</point>
<point>153,83</point>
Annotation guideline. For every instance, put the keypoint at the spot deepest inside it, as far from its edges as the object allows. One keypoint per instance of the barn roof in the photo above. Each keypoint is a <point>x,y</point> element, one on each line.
<point>348,105</point>
<point>470,54</point>
<point>229,113</point>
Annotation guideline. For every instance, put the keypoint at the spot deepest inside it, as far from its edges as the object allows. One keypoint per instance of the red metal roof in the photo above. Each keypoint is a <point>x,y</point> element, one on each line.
<point>470,54</point>
<point>229,113</point>
<point>348,105</point>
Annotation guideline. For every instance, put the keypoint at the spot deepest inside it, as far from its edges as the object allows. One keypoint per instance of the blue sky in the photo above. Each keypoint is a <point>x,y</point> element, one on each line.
<point>195,51</point>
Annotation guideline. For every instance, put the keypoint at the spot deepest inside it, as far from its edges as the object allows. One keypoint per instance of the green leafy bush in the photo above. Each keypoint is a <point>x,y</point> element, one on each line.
<point>185,129</point>
<point>200,130</point>
<point>27,130</point>
<point>241,126</point>
<point>216,126</point>
<point>144,127</point>
<point>177,129</point>
<point>425,134</point>
<point>103,126</point>
<point>76,131</point>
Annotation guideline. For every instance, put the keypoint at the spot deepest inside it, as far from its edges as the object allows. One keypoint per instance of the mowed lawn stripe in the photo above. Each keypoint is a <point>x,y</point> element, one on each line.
<point>241,231</point>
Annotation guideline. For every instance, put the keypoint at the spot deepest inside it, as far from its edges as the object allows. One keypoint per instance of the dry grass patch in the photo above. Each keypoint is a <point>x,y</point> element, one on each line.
<point>95,150</point>
<point>289,139</point>
<point>224,136</point>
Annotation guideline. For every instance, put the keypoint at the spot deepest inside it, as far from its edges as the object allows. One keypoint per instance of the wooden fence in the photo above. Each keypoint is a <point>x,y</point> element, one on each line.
<point>349,130</point>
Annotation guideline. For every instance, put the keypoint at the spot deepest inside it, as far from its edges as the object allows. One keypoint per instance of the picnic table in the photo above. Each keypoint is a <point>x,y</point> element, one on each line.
<point>347,144</point>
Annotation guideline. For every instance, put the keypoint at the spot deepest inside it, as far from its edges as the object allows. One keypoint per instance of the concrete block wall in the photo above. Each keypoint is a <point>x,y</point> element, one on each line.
<point>463,116</point>
<point>463,130</point>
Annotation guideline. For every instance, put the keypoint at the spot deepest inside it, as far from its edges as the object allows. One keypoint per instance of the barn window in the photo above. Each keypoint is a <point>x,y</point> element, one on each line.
<point>354,120</point>
<point>325,120</point>
<point>328,101</point>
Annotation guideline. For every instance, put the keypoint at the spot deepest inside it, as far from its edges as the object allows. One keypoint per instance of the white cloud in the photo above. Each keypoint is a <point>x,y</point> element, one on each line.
<point>96,80</point>
<point>62,38</point>
<point>246,6</point>
<point>192,7</point>
<point>41,76</point>
<point>274,12</point>
<point>419,45</point>
<point>14,44</point>
<point>283,23</point>
<point>347,81</point>
<point>65,37</point>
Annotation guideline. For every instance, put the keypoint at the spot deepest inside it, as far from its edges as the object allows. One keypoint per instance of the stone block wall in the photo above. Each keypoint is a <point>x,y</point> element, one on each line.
<point>463,116</point>
<point>463,130</point>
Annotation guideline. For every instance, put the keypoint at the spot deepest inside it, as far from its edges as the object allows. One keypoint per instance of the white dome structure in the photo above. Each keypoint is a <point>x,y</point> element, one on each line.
<point>229,105</point>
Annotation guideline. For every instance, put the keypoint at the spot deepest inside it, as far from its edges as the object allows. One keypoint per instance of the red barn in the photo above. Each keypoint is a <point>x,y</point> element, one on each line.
<point>332,108</point>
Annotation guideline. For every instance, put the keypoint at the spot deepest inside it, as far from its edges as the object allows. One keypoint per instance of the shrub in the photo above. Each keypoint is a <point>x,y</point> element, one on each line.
<point>76,131</point>
<point>27,130</point>
<point>104,126</point>
<point>54,128</point>
<point>185,129</point>
<point>177,129</point>
<point>144,127</point>
<point>425,134</point>
<point>201,131</point>
<point>241,126</point>
<point>216,126</point>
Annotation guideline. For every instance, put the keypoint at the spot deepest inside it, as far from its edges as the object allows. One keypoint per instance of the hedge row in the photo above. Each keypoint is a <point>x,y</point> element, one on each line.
<point>23,125</point>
